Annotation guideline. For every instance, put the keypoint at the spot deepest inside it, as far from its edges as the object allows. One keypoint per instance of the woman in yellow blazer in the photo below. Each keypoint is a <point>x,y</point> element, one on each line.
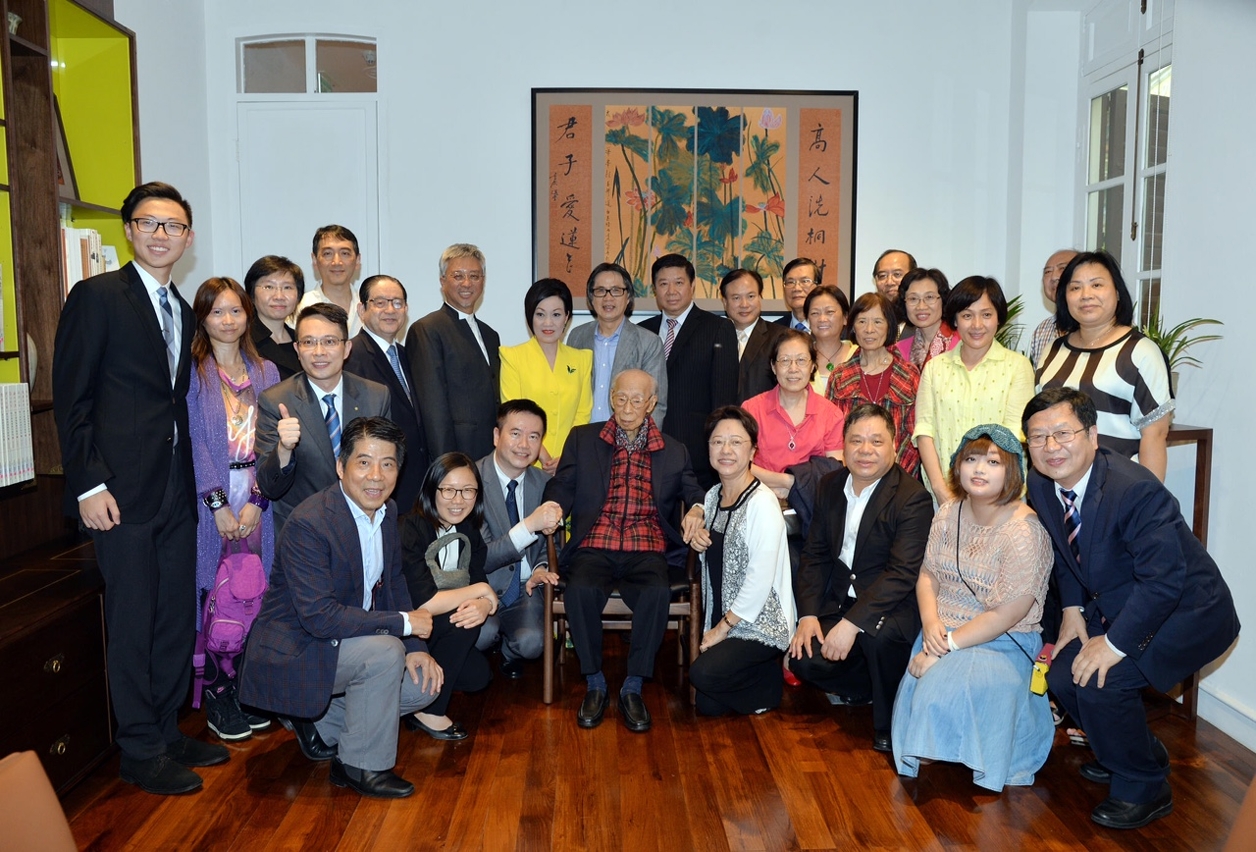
<point>547,371</point>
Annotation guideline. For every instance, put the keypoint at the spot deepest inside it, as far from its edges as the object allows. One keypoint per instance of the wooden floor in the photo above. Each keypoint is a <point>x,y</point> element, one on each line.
<point>803,777</point>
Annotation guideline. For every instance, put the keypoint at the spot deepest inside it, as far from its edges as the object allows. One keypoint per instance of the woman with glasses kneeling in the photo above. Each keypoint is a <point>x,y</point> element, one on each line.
<point>966,697</point>
<point>443,559</point>
<point>747,590</point>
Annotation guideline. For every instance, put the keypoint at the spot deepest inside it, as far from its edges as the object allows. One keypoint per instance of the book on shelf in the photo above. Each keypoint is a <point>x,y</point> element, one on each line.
<point>82,255</point>
<point>17,455</point>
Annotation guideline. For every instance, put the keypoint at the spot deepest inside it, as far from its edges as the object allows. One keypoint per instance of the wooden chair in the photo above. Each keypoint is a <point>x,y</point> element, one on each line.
<point>684,615</point>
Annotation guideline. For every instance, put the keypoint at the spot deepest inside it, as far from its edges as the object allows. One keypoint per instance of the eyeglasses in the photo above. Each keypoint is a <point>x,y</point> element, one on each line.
<point>731,443</point>
<point>330,254</point>
<point>464,277</point>
<point>150,226</point>
<point>603,292</point>
<point>625,399</point>
<point>800,360</point>
<point>799,282</point>
<point>271,289</point>
<point>449,492</point>
<point>380,303</point>
<point>929,299</point>
<point>315,342</point>
<point>1062,437</point>
<point>885,275</point>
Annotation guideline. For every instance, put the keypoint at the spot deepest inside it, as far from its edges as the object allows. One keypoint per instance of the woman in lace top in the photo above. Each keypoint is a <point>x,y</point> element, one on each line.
<point>966,696</point>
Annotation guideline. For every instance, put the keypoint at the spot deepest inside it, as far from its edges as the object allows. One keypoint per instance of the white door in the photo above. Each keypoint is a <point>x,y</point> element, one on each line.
<point>305,164</point>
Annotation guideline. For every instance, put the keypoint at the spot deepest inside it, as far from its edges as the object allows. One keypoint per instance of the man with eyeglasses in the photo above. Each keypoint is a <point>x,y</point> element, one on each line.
<point>1143,601</point>
<point>799,277</point>
<point>337,264</point>
<point>623,482</point>
<point>887,274</point>
<point>375,354</point>
<point>455,359</point>
<point>300,420</point>
<point>120,376</point>
<point>617,344</point>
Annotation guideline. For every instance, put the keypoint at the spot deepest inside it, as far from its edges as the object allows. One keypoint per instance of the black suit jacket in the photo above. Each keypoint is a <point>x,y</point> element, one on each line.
<point>113,399</point>
<point>754,372</point>
<point>314,601</point>
<point>282,355</point>
<point>701,376</point>
<point>582,480</point>
<point>889,548</point>
<point>367,360</point>
<point>1142,570</point>
<point>457,391</point>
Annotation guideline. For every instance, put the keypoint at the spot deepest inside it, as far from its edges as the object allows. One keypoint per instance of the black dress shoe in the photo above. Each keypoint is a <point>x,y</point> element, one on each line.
<point>632,711</point>
<point>1113,813</point>
<point>512,669</point>
<point>881,743</point>
<point>312,745</point>
<point>453,733</point>
<point>160,775</point>
<point>190,752</point>
<point>592,709</point>
<point>384,784</point>
<point>1100,774</point>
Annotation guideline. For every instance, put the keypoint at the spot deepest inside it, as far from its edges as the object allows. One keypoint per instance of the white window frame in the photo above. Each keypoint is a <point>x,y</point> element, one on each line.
<point>311,41</point>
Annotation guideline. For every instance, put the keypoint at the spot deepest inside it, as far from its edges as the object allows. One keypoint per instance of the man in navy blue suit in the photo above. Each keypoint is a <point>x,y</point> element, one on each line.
<point>1143,601</point>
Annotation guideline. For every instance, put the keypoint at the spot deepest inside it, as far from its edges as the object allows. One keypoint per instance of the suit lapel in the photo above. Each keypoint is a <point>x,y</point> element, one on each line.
<point>688,329</point>
<point>464,332</point>
<point>881,498</point>
<point>310,413</point>
<point>137,293</point>
<point>494,500</point>
<point>1091,505</point>
<point>343,520</point>
<point>757,340</point>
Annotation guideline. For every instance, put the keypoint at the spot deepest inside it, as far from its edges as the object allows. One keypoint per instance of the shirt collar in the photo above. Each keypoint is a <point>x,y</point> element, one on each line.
<point>359,515</point>
<point>1079,489</point>
<point>379,341</point>
<point>597,330</point>
<point>503,478</point>
<point>151,284</point>
<point>461,315</point>
<point>338,390</point>
<point>680,320</point>
<point>851,496</point>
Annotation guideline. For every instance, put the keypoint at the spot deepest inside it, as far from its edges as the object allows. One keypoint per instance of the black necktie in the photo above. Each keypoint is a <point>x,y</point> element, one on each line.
<point>512,511</point>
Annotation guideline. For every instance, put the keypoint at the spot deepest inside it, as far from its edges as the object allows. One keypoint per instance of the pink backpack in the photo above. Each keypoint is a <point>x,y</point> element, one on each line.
<point>233,602</point>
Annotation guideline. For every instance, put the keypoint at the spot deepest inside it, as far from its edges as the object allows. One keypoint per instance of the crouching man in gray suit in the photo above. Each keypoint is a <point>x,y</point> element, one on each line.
<point>514,521</point>
<point>336,641</point>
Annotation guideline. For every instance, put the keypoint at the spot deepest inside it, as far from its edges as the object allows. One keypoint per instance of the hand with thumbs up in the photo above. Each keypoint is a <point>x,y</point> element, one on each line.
<point>288,428</point>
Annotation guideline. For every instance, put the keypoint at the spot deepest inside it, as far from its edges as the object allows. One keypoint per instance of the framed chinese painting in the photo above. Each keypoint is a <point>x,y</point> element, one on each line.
<point>726,178</point>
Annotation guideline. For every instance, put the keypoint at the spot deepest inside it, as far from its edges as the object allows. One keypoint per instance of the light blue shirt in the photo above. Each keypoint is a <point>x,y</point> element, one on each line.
<point>603,360</point>
<point>371,541</point>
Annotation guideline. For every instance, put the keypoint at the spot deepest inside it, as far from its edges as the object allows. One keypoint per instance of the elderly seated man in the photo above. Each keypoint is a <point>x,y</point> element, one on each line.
<point>336,648</point>
<point>622,482</point>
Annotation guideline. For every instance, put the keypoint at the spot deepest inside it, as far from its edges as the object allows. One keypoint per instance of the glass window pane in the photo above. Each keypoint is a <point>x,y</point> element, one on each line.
<point>1148,300</point>
<point>1107,135</point>
<point>274,66</point>
<point>1152,226</point>
<point>1157,149</point>
<point>345,66</point>
<point>1103,220</point>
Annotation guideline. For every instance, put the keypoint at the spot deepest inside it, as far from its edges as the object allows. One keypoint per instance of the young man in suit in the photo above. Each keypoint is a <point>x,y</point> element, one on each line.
<point>742,294</point>
<point>455,358</point>
<point>1143,601</point>
<point>516,562</point>
<point>375,354</point>
<point>336,641</point>
<point>856,587</point>
<point>623,482</point>
<point>300,420</point>
<point>337,264</point>
<point>799,277</point>
<point>701,353</point>
<point>120,374</point>
<point>617,344</point>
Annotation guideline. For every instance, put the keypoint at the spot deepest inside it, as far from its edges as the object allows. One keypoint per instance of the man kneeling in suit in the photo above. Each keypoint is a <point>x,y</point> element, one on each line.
<point>856,587</point>
<point>622,481</point>
<point>1143,599</point>
<point>336,641</point>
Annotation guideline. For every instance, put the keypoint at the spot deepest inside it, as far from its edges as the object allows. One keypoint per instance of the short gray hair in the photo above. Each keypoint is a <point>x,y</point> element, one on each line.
<point>458,250</point>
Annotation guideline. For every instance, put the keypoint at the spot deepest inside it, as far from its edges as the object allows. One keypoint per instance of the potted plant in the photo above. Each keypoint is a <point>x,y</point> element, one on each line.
<point>1177,341</point>
<point>1009,334</point>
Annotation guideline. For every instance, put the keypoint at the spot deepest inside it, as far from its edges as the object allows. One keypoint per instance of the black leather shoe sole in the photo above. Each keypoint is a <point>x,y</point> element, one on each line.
<point>1100,774</point>
<point>1113,813</point>
<point>379,785</point>
<point>453,733</point>
<point>881,743</point>
<point>310,743</point>
<point>592,709</point>
<point>634,714</point>
<point>160,776</point>
<point>190,752</point>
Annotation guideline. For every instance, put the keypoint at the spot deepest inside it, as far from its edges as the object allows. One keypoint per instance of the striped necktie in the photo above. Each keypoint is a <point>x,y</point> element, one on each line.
<point>333,424</point>
<point>167,332</point>
<point>1072,523</point>
<point>671,338</point>
<point>396,367</point>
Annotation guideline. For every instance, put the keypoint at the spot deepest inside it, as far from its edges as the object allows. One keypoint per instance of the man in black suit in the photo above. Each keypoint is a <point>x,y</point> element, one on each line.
<point>856,586</point>
<point>799,277</point>
<point>120,376</point>
<point>742,294</point>
<point>455,359</point>
<point>1143,601</point>
<point>300,420</point>
<point>701,353</point>
<point>336,640</point>
<point>623,482</point>
<point>376,355</point>
<point>887,274</point>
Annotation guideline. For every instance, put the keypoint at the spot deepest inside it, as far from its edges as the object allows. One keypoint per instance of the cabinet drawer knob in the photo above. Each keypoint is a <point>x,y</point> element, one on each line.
<point>54,665</point>
<point>61,746</point>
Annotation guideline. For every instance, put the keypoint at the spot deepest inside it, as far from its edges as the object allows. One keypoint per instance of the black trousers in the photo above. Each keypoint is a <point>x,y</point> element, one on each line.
<point>737,676</point>
<point>465,668</point>
<point>150,615</point>
<point>642,582</point>
<point>874,667</point>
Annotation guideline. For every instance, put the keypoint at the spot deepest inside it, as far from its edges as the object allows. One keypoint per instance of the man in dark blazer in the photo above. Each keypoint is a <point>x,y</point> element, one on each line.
<point>856,586</point>
<point>1143,601</point>
<point>623,482</point>
<point>701,352</point>
<point>296,453</point>
<point>120,373</point>
<point>517,565</point>
<point>454,358</point>
<point>742,294</point>
<point>336,640</point>
<point>376,355</point>
<point>799,277</point>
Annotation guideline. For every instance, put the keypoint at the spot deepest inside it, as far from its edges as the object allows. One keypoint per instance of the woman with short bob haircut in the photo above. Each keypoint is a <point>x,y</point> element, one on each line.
<point>922,300</point>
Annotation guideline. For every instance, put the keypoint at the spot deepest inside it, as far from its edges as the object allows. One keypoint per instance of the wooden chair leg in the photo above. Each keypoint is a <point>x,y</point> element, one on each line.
<point>547,656</point>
